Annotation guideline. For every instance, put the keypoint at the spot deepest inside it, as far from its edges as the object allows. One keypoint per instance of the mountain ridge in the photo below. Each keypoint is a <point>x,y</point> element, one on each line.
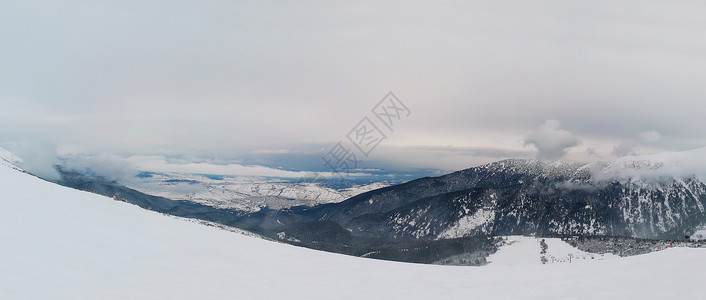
<point>518,196</point>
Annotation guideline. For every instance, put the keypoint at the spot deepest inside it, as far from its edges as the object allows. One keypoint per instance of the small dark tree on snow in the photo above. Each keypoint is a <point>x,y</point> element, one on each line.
<point>543,245</point>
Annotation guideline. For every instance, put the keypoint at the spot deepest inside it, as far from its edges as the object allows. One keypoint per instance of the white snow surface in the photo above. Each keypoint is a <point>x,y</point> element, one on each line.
<point>525,251</point>
<point>59,243</point>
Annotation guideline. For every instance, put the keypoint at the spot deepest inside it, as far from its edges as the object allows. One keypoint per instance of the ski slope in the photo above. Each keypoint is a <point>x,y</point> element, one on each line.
<point>59,243</point>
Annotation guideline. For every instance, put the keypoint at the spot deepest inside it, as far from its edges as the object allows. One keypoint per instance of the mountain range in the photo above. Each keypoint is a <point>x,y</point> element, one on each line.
<point>455,218</point>
<point>656,197</point>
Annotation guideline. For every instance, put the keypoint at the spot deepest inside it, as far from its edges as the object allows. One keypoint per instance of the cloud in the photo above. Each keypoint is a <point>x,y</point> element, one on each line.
<point>38,158</point>
<point>657,166</point>
<point>628,148</point>
<point>551,141</point>
<point>625,149</point>
<point>575,186</point>
<point>161,164</point>
<point>125,169</point>
<point>160,77</point>
<point>650,136</point>
<point>111,167</point>
<point>593,152</point>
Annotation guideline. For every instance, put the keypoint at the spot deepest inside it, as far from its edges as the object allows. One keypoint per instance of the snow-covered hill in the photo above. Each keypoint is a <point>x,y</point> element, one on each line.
<point>8,159</point>
<point>246,194</point>
<point>59,243</point>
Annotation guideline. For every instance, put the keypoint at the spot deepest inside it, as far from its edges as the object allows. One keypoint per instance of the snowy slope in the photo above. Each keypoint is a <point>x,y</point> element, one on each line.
<point>524,251</point>
<point>59,243</point>
<point>7,159</point>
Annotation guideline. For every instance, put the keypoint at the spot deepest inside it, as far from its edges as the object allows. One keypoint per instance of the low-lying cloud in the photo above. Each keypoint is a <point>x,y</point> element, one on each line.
<point>551,141</point>
<point>682,164</point>
<point>37,158</point>
<point>624,149</point>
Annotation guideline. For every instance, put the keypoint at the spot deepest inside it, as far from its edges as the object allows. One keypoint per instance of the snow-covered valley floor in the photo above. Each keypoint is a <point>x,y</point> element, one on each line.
<point>59,243</point>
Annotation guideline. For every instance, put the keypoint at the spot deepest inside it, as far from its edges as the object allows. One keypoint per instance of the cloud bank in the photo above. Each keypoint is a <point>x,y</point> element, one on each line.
<point>682,164</point>
<point>551,141</point>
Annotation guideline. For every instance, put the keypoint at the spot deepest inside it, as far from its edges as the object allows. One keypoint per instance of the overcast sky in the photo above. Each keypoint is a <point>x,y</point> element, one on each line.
<point>278,84</point>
